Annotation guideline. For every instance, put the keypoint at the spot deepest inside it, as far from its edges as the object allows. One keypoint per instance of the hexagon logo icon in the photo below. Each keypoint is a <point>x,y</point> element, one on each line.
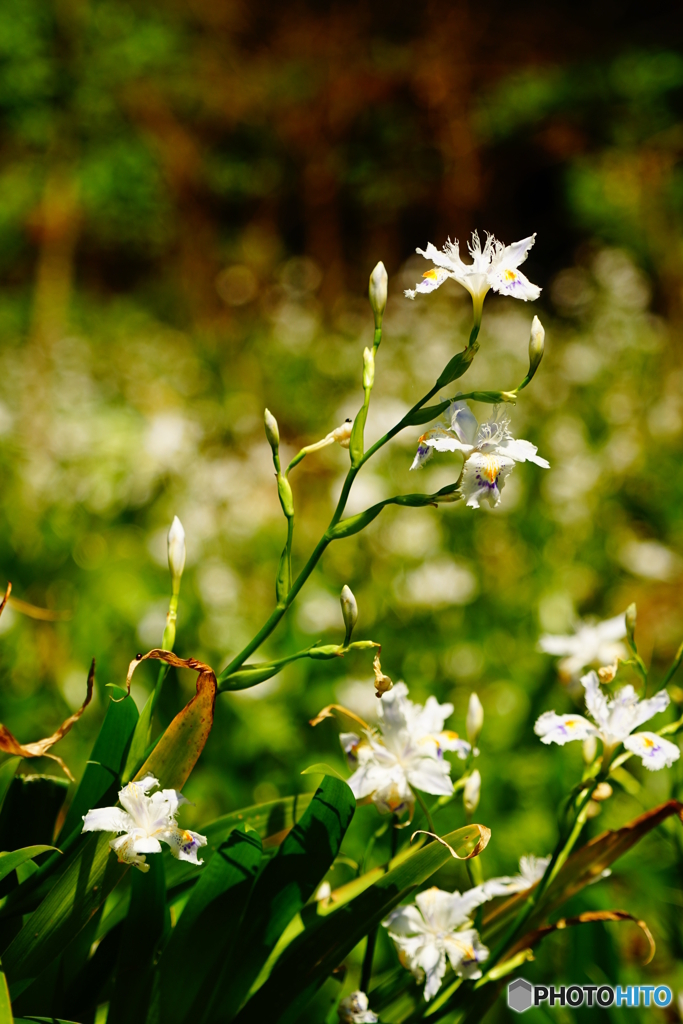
<point>520,995</point>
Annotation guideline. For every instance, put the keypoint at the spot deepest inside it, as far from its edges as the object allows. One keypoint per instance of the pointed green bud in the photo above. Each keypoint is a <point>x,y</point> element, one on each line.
<point>472,792</point>
<point>272,430</point>
<point>377,292</point>
<point>284,491</point>
<point>368,368</point>
<point>536,345</point>
<point>630,618</point>
<point>475,719</point>
<point>176,552</point>
<point>349,609</point>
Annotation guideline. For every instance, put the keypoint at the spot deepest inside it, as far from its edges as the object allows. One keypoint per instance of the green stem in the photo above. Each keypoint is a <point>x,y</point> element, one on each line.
<point>560,854</point>
<point>425,811</point>
<point>366,971</point>
<point>279,611</point>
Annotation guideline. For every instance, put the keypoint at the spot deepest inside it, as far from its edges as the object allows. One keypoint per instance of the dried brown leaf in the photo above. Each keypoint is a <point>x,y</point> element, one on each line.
<point>588,917</point>
<point>40,748</point>
<point>178,750</point>
<point>327,712</point>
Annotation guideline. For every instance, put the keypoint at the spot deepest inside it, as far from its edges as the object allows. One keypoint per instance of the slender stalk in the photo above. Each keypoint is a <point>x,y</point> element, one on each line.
<point>278,612</point>
<point>425,811</point>
<point>560,854</point>
<point>366,971</point>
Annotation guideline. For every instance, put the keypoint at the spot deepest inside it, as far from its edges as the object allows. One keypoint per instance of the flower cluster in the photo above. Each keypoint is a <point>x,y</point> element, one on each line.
<point>614,721</point>
<point>406,752</point>
<point>145,821</point>
<point>489,449</point>
<point>493,267</point>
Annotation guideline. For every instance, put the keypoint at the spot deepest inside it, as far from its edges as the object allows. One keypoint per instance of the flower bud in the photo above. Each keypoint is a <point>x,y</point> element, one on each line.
<point>475,719</point>
<point>377,293</point>
<point>602,791</point>
<point>285,495</point>
<point>368,368</point>
<point>536,345</point>
<point>472,792</point>
<point>630,619</point>
<point>176,552</point>
<point>349,609</point>
<point>342,434</point>
<point>590,749</point>
<point>272,430</point>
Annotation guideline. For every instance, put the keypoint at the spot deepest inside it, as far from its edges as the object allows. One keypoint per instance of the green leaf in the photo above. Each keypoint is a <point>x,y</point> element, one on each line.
<point>102,774</point>
<point>285,885</point>
<point>425,414</point>
<point>94,871</point>
<point>142,935</point>
<point>323,769</point>
<point>354,524</point>
<point>309,961</point>
<point>5,1005</point>
<point>272,822</point>
<point>11,861</point>
<point>460,363</point>
<point>30,810</point>
<point>68,907</point>
<point>7,773</point>
<point>143,730</point>
<point>202,942</point>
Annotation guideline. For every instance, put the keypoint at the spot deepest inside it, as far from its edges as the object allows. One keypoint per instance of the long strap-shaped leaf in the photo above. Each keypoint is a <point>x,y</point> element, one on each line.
<point>203,941</point>
<point>298,974</point>
<point>94,871</point>
<point>285,885</point>
<point>103,770</point>
<point>583,867</point>
<point>140,941</point>
<point>272,821</point>
<point>5,1005</point>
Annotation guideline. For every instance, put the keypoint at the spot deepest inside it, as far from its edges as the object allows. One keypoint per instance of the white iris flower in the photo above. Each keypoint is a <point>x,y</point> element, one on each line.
<point>407,752</point>
<point>493,267</point>
<point>146,822</point>
<point>591,644</point>
<point>489,449</point>
<point>436,929</point>
<point>613,722</point>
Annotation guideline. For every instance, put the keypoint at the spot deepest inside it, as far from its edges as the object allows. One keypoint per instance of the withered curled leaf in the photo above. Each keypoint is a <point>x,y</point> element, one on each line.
<point>588,917</point>
<point>178,750</point>
<point>327,712</point>
<point>41,748</point>
<point>480,832</point>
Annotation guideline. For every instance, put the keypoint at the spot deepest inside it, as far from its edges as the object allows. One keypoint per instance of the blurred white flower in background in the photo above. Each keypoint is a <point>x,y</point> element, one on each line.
<point>355,1009</point>
<point>437,584</point>
<point>531,870</point>
<point>595,644</point>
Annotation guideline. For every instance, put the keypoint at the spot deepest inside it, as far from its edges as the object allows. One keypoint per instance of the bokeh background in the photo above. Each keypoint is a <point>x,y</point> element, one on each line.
<point>192,196</point>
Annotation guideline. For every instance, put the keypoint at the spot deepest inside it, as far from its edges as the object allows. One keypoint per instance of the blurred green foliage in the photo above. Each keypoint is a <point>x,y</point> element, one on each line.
<point>190,203</point>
